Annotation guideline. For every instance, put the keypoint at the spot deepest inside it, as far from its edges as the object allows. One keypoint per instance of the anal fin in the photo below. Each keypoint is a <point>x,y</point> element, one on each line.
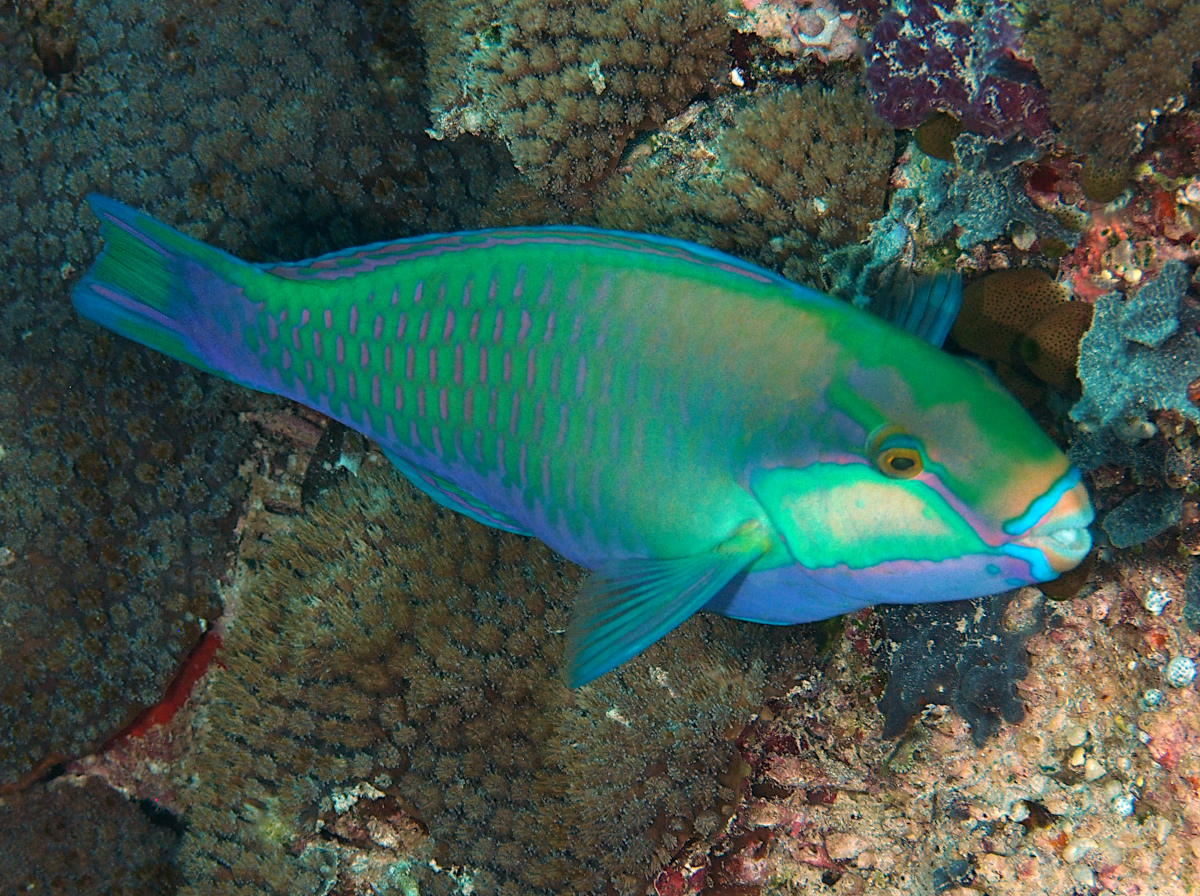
<point>451,496</point>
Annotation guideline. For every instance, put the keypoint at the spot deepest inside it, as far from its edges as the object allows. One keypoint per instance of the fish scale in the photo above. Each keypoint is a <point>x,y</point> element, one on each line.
<point>699,432</point>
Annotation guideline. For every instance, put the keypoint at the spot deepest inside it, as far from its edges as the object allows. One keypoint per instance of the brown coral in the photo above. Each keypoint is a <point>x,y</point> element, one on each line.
<point>1112,66</point>
<point>403,650</point>
<point>790,174</point>
<point>565,84</point>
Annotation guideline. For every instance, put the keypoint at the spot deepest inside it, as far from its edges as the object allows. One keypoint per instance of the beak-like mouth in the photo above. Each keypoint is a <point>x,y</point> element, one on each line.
<point>1061,535</point>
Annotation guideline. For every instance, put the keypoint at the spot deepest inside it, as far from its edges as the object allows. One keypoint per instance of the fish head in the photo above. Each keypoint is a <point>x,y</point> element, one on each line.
<point>931,483</point>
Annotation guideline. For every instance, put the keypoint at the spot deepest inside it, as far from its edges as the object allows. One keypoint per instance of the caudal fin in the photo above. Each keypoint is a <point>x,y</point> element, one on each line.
<point>156,286</point>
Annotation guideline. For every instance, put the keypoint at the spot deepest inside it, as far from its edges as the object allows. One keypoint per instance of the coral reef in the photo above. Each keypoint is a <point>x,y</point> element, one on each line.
<point>119,477</point>
<point>395,653</point>
<point>1022,316</point>
<point>565,84</point>
<point>1133,361</point>
<point>1111,67</point>
<point>970,654</point>
<point>81,837</point>
<point>781,178</point>
<point>169,112</point>
<point>802,27</point>
<point>118,467</point>
<point>924,57</point>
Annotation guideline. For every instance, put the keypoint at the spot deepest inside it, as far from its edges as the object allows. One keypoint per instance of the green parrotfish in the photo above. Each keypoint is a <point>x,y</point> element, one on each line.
<point>699,432</point>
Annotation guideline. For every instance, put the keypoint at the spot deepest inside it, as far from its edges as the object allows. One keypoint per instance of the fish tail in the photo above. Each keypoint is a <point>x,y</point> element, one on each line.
<point>157,286</point>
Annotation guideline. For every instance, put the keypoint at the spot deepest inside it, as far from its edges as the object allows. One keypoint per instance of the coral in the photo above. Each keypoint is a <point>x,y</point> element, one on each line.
<point>790,175</point>
<point>393,651</point>
<point>1111,67</point>
<point>1022,316</point>
<point>968,653</point>
<point>120,488</point>
<point>1130,363</point>
<point>170,112</point>
<point>118,469</point>
<point>1000,309</point>
<point>1142,516</point>
<point>935,136</point>
<point>565,84</point>
<point>924,57</point>
<point>802,27</point>
<point>81,837</point>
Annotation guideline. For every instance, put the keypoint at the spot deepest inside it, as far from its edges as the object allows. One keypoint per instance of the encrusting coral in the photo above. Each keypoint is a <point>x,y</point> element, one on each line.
<point>565,84</point>
<point>1111,67</point>
<point>782,178</point>
<point>392,648</point>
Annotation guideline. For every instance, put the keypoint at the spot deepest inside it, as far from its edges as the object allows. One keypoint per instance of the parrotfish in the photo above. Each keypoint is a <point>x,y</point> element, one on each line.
<point>697,431</point>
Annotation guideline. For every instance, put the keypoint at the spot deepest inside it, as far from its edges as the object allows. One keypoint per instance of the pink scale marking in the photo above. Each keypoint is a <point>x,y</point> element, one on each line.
<point>296,338</point>
<point>483,363</point>
<point>316,343</point>
<point>424,327</point>
<point>304,317</point>
<point>399,399</point>
<point>329,384</point>
<point>449,327</point>
<point>443,403</point>
<point>287,360</point>
<point>507,366</point>
<point>402,325</point>
<point>272,328</point>
<point>526,322</point>
<point>364,355</point>
<point>549,327</point>
<point>421,402</point>
<point>433,365</point>
<point>387,357</point>
<point>580,376</point>
<point>530,370</point>
<point>562,426</point>
<point>555,370</point>
<point>378,331</point>
<point>499,327</point>
<point>308,370</point>
<point>328,319</point>
<point>492,409</point>
<point>458,364</point>
<point>409,360</point>
<point>339,348</point>
<point>417,291</point>
<point>521,466</point>
<point>474,327</point>
<point>352,385</point>
<point>514,417</point>
<point>353,319</point>
<point>468,404</point>
<point>375,390</point>
<point>466,300</point>
<point>437,441</point>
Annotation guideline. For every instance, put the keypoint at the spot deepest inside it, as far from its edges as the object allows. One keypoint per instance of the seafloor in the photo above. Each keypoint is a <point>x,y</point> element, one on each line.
<point>239,654</point>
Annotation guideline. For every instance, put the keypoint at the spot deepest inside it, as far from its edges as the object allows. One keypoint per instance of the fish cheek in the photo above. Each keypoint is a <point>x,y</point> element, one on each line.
<point>848,515</point>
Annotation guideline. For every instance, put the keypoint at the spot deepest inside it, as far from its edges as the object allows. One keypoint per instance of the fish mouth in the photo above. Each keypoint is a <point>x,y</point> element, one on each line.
<point>1061,536</point>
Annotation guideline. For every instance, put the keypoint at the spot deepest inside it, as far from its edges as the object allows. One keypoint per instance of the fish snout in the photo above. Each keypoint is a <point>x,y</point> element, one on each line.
<point>1061,535</point>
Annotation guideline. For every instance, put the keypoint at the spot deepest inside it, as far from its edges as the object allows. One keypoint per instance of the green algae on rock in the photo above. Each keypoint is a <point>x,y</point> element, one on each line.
<point>392,642</point>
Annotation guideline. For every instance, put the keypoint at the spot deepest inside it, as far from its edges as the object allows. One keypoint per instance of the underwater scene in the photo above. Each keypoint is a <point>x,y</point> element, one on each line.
<point>618,447</point>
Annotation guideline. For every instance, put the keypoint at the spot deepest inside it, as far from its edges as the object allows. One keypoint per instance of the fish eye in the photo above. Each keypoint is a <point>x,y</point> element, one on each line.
<point>899,463</point>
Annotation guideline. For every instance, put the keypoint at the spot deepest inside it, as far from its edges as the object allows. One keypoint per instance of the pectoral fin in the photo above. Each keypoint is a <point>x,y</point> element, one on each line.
<point>627,605</point>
